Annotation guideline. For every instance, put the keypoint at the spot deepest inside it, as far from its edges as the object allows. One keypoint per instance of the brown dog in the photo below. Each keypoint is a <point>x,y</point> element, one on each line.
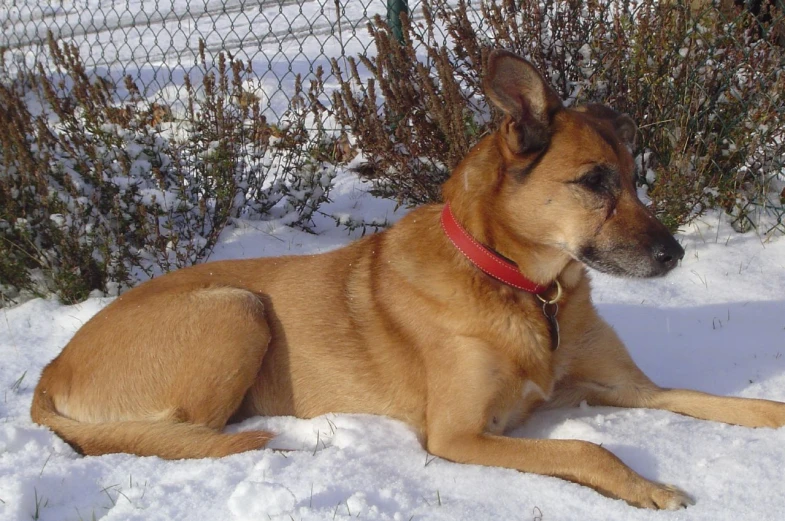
<point>402,323</point>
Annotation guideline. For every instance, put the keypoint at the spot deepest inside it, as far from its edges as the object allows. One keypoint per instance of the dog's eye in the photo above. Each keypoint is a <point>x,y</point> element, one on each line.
<point>594,180</point>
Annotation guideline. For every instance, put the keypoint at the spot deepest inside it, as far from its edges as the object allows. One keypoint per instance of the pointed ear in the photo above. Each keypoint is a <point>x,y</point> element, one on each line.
<point>623,125</point>
<point>515,87</point>
<point>626,129</point>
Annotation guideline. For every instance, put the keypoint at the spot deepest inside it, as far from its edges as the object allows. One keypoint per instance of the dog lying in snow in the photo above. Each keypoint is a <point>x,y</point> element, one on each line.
<point>459,320</point>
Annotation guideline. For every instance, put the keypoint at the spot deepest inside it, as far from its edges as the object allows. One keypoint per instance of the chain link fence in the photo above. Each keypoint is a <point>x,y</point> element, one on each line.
<point>157,43</point>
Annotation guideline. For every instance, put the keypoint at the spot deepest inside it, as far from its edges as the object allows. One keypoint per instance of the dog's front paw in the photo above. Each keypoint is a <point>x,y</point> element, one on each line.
<point>776,417</point>
<point>664,497</point>
<point>764,413</point>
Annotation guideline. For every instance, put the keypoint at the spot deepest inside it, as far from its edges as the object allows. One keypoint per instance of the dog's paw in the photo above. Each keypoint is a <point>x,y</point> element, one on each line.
<point>666,497</point>
<point>775,416</point>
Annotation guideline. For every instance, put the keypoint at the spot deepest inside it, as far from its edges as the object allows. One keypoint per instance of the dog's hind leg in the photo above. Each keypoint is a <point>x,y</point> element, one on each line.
<point>161,377</point>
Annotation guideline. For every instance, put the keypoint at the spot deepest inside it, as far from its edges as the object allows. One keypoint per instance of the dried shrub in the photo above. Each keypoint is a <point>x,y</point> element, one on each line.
<point>97,194</point>
<point>705,86</point>
<point>426,123</point>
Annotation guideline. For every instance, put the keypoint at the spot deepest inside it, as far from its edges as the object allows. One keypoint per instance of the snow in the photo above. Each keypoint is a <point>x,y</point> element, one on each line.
<point>717,324</point>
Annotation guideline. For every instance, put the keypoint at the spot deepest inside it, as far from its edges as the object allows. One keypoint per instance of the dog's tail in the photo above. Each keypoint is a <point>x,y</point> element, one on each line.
<point>166,438</point>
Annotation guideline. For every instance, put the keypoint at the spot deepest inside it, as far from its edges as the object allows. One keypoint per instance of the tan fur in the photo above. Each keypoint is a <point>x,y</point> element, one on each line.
<point>400,323</point>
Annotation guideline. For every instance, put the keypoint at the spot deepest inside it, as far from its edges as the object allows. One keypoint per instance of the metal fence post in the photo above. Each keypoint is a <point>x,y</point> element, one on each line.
<point>394,10</point>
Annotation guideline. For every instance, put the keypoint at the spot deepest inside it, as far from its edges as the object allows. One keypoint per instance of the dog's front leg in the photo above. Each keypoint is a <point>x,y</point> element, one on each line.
<point>737,411</point>
<point>603,373</point>
<point>577,461</point>
<point>462,392</point>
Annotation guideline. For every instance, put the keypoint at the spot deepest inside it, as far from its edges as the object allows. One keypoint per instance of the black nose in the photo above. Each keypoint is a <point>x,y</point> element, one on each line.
<point>668,255</point>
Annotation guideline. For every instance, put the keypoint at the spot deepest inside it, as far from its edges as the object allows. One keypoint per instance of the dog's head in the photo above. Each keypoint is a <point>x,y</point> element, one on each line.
<point>565,176</point>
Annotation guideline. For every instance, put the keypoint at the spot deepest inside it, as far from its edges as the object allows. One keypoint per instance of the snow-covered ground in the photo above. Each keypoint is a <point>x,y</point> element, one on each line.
<point>717,324</point>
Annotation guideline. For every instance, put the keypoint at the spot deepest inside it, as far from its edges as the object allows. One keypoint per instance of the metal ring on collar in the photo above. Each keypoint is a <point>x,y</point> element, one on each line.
<point>555,299</point>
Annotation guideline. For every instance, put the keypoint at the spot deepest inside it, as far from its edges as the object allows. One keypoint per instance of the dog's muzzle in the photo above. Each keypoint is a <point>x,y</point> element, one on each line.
<point>668,254</point>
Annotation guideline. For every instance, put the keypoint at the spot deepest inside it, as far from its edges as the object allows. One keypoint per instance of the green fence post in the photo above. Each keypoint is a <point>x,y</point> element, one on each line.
<point>394,10</point>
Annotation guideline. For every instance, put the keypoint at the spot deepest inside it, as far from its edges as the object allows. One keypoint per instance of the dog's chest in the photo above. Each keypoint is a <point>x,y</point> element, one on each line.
<point>526,367</point>
<point>530,366</point>
<point>526,371</point>
<point>517,401</point>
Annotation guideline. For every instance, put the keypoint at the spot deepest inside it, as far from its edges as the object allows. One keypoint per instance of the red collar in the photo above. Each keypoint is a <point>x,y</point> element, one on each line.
<point>484,258</point>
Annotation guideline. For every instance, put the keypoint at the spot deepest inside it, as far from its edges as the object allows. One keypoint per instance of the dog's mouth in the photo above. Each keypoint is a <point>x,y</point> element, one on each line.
<point>634,260</point>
